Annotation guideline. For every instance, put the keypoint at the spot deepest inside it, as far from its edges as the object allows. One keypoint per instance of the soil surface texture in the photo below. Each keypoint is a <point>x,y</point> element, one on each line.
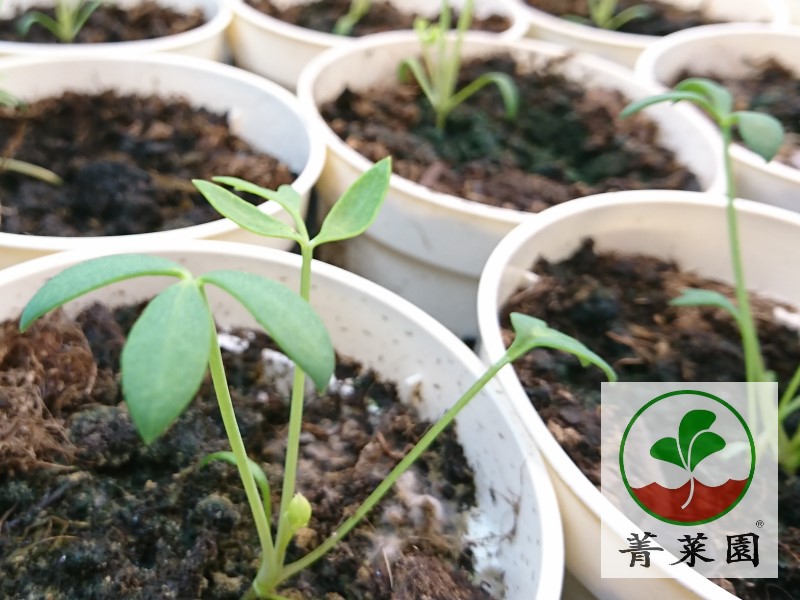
<point>566,141</point>
<point>126,162</point>
<point>618,305</point>
<point>109,23</point>
<point>769,87</point>
<point>663,18</point>
<point>87,512</point>
<point>382,16</point>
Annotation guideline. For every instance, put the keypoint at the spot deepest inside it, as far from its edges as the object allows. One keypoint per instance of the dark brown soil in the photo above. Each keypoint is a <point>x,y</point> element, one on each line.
<point>618,305</point>
<point>768,87</point>
<point>109,23</point>
<point>126,162</point>
<point>566,142</point>
<point>663,18</point>
<point>382,16</point>
<point>87,512</point>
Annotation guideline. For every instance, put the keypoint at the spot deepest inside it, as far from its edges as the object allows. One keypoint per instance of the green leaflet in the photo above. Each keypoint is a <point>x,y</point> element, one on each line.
<point>695,441</point>
<point>763,134</point>
<point>165,358</point>
<point>289,320</point>
<point>85,277</point>
<point>530,332</point>
<point>355,211</point>
<point>244,214</point>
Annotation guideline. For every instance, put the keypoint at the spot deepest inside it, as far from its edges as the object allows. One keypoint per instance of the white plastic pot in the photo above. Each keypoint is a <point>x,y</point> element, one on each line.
<point>262,113</point>
<point>624,48</point>
<point>732,50</point>
<point>430,247</point>
<point>256,39</point>
<point>687,227</point>
<point>206,41</point>
<point>401,343</point>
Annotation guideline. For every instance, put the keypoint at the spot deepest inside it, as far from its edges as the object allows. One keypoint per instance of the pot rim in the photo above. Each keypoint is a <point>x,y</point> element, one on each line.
<point>630,41</point>
<point>324,40</point>
<point>492,345</point>
<point>306,91</point>
<point>303,184</point>
<point>552,560</point>
<point>216,25</point>
<point>647,64</point>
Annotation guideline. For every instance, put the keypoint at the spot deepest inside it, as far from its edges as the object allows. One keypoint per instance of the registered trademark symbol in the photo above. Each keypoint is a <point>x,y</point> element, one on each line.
<point>759,523</point>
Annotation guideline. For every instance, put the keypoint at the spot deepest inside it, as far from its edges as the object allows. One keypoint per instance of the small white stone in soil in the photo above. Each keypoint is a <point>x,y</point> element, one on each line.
<point>232,343</point>
<point>279,369</point>
<point>409,389</point>
<point>343,388</point>
<point>786,317</point>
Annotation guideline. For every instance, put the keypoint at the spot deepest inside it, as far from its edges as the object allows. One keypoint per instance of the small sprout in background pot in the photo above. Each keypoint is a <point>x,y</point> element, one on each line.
<point>437,72</point>
<point>20,166</point>
<point>604,14</point>
<point>71,16</point>
<point>345,24</point>
<point>763,134</point>
<point>175,341</point>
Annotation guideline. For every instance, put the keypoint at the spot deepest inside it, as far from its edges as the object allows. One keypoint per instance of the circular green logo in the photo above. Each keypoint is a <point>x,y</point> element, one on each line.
<point>687,457</point>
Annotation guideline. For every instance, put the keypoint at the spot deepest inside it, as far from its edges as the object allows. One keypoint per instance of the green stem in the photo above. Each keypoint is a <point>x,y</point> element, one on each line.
<point>754,365</point>
<point>25,168</point>
<point>789,399</point>
<point>237,445</point>
<point>270,570</point>
<point>425,441</point>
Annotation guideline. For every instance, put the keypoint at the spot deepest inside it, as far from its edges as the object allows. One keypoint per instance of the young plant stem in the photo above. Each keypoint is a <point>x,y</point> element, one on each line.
<point>25,168</point>
<point>408,460</point>
<point>228,415</point>
<point>754,364</point>
<point>270,570</point>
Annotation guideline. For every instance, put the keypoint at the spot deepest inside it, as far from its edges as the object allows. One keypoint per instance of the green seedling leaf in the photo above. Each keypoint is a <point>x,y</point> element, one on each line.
<point>705,444</point>
<point>83,15</point>
<point>244,214</point>
<point>286,196</point>
<point>8,99</point>
<point>666,449</point>
<point>505,84</point>
<point>629,14</point>
<point>26,21</point>
<point>641,104</point>
<point>286,317</point>
<point>718,96</point>
<point>91,275</point>
<point>414,66</point>
<point>694,445</point>
<point>698,297</point>
<point>345,24</point>
<point>763,134</point>
<point>531,332</point>
<point>165,358</point>
<point>355,211</point>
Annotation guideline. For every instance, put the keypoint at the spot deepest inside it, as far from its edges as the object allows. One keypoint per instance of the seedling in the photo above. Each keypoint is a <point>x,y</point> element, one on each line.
<point>168,348</point>
<point>20,166</point>
<point>695,443</point>
<point>437,72</point>
<point>763,134</point>
<point>71,16</point>
<point>603,14</point>
<point>358,8</point>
